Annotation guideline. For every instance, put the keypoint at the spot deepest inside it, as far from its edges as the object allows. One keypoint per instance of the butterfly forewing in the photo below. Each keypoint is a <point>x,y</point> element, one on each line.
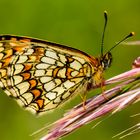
<point>42,75</point>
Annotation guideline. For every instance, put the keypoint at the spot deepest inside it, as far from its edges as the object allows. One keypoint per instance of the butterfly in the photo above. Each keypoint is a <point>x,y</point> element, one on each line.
<point>42,75</point>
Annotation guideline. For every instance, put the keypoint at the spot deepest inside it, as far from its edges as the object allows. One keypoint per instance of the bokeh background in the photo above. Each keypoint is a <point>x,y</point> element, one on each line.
<point>76,23</point>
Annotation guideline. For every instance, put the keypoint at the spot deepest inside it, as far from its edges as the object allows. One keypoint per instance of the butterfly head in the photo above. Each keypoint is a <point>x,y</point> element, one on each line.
<point>106,60</point>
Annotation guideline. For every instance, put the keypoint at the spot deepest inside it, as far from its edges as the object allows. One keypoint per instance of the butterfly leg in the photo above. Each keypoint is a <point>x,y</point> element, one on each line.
<point>83,97</point>
<point>103,90</point>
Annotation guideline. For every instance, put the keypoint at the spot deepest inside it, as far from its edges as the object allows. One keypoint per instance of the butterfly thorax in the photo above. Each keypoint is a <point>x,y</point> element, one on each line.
<point>99,65</point>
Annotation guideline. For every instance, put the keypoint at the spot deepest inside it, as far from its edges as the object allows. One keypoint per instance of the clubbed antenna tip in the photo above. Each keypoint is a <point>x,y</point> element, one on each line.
<point>131,34</point>
<point>105,15</point>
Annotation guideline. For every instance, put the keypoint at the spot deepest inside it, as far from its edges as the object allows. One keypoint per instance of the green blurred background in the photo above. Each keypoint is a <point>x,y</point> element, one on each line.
<point>76,23</point>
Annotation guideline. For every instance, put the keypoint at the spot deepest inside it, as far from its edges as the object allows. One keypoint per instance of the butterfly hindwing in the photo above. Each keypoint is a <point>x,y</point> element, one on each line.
<point>41,76</point>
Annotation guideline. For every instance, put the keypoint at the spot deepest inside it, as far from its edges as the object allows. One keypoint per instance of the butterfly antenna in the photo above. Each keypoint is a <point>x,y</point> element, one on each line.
<point>102,43</point>
<point>128,36</point>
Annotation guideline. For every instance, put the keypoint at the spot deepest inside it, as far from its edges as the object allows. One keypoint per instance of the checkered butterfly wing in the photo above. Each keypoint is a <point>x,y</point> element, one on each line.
<point>41,75</point>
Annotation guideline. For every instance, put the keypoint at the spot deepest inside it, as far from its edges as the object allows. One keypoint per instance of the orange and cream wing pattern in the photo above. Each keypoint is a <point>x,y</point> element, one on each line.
<point>41,75</point>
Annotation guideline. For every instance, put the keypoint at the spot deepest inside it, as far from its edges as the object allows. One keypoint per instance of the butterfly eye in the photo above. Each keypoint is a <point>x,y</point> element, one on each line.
<point>106,60</point>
